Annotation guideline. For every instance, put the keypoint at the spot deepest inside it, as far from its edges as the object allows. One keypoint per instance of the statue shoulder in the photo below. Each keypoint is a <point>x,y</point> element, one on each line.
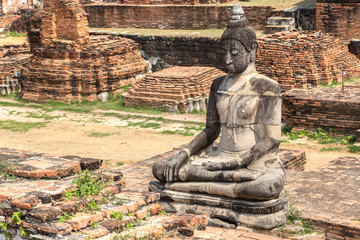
<point>262,84</point>
<point>216,83</point>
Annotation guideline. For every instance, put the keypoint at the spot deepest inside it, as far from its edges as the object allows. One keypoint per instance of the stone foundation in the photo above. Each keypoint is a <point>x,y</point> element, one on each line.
<point>179,88</point>
<point>255,214</point>
<point>325,108</point>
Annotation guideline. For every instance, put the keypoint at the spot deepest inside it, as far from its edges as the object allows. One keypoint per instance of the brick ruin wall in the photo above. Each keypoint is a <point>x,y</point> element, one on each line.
<point>339,17</point>
<point>293,59</point>
<point>170,16</point>
<point>156,2</point>
<point>13,6</point>
<point>13,58</point>
<point>325,108</point>
<point>69,65</point>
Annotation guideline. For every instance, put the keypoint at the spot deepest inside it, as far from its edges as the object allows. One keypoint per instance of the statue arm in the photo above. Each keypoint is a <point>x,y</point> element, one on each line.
<point>202,140</point>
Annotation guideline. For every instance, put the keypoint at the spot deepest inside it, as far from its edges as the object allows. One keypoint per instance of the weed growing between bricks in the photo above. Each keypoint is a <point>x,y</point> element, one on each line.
<point>15,222</point>
<point>323,136</point>
<point>88,186</point>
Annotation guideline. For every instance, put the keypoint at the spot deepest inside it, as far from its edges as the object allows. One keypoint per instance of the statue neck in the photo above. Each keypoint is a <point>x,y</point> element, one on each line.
<point>245,75</point>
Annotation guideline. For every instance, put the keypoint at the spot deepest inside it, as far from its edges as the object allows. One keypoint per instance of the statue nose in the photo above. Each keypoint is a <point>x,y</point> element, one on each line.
<point>228,59</point>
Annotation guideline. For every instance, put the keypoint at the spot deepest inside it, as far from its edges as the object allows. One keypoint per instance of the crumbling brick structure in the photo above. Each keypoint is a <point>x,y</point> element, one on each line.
<point>296,60</point>
<point>340,18</point>
<point>11,6</point>
<point>155,2</point>
<point>171,16</point>
<point>293,59</point>
<point>69,65</point>
<point>181,88</point>
<point>325,108</point>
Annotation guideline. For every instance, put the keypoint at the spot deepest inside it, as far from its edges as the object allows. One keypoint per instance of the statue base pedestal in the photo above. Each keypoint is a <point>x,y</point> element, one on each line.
<point>256,214</point>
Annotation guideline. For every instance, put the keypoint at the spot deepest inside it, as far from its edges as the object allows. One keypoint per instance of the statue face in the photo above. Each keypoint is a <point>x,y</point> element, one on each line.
<point>236,57</point>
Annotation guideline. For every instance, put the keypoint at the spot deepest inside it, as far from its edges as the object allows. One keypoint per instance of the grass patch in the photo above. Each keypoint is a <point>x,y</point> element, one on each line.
<point>354,148</point>
<point>144,124</point>
<point>14,34</point>
<point>178,132</point>
<point>100,134</point>
<point>43,116</point>
<point>15,126</point>
<point>330,149</point>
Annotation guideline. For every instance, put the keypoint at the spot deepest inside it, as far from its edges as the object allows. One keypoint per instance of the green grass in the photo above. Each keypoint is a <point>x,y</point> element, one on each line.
<point>354,149</point>
<point>144,124</point>
<point>15,126</point>
<point>15,34</point>
<point>41,115</point>
<point>100,134</point>
<point>330,149</point>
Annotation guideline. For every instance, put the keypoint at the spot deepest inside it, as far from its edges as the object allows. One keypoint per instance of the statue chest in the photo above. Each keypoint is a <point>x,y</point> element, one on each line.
<point>236,109</point>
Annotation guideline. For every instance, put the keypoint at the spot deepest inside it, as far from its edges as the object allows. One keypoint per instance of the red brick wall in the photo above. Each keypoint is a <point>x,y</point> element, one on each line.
<point>155,2</point>
<point>339,17</point>
<point>12,6</point>
<point>171,17</point>
<point>293,59</point>
<point>324,108</point>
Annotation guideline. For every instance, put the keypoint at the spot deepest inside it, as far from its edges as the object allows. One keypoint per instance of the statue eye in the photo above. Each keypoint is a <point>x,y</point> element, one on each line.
<point>234,52</point>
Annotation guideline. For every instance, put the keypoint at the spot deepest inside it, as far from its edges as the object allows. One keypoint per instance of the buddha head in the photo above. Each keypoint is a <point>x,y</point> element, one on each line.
<point>238,42</point>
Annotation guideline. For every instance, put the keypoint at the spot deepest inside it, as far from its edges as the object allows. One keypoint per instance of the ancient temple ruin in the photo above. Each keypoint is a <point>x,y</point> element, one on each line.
<point>68,64</point>
<point>178,88</point>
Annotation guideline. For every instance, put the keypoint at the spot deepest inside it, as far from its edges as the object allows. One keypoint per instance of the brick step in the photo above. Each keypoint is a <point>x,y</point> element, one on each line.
<point>281,21</point>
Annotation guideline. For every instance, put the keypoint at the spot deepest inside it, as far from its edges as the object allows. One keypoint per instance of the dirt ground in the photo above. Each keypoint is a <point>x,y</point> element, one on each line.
<point>111,139</point>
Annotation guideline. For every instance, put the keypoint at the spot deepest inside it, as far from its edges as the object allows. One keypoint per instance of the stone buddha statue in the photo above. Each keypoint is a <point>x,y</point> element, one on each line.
<point>241,179</point>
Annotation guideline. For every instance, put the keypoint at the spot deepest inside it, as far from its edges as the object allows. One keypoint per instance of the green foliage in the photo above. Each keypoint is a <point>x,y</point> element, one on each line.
<point>330,149</point>
<point>38,115</point>
<point>119,164</point>
<point>94,224</point>
<point>66,217</point>
<point>92,205</point>
<point>126,88</point>
<point>15,126</point>
<point>130,214</point>
<point>117,215</point>
<point>144,124</point>
<point>3,226</point>
<point>68,194</point>
<point>286,129</point>
<point>293,215</point>
<point>14,34</point>
<point>16,217</point>
<point>88,185</point>
<point>322,137</point>
<point>3,166</point>
<point>354,148</point>
<point>100,134</point>
<point>163,212</point>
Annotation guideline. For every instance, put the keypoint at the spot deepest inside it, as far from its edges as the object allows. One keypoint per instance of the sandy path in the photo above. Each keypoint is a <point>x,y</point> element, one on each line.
<point>72,134</point>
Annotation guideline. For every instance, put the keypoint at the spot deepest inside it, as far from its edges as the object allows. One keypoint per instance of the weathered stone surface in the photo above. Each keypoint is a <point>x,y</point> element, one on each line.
<point>26,203</point>
<point>186,231</point>
<point>245,206</point>
<point>113,175</point>
<point>113,225</point>
<point>43,214</point>
<point>246,108</point>
<point>83,220</point>
<point>43,196</point>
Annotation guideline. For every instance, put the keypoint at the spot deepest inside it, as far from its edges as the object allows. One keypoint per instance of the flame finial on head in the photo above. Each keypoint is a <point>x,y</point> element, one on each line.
<point>237,12</point>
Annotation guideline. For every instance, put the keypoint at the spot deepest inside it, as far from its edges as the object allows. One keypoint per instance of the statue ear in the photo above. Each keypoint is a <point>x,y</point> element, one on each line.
<point>254,47</point>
